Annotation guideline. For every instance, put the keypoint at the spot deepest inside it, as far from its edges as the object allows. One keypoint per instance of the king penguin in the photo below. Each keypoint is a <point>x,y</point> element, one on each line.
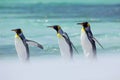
<point>65,45</point>
<point>88,41</point>
<point>21,45</point>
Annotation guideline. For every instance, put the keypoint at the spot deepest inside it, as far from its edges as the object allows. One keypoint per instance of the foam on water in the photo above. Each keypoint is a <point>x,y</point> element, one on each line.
<point>105,68</point>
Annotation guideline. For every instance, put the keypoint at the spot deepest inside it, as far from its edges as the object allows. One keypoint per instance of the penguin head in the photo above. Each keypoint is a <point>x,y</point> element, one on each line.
<point>18,31</point>
<point>56,27</point>
<point>84,24</point>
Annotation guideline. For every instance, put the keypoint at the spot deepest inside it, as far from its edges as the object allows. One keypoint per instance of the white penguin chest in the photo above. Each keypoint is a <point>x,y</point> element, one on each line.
<point>64,48</point>
<point>86,45</point>
<point>21,49</point>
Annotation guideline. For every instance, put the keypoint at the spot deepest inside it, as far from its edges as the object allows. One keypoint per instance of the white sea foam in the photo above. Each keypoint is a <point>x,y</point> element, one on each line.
<point>105,68</point>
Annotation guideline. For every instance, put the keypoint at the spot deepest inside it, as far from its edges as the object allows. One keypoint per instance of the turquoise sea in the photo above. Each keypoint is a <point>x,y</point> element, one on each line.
<point>33,19</point>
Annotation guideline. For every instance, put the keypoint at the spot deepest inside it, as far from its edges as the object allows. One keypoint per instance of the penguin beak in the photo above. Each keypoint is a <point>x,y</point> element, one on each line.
<point>13,30</point>
<point>50,27</point>
<point>79,23</point>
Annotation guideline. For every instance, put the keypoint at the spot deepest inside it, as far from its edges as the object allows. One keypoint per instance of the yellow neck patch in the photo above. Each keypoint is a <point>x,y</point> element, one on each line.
<point>16,36</point>
<point>59,35</point>
<point>82,30</point>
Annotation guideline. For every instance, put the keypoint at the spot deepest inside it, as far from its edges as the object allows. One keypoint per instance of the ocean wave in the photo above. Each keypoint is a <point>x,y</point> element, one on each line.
<point>94,12</point>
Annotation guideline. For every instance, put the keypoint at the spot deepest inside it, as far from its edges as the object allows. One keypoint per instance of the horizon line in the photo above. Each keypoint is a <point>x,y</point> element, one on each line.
<point>68,3</point>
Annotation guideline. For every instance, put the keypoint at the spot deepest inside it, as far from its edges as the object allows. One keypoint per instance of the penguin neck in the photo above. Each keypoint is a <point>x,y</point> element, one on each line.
<point>16,36</point>
<point>59,33</point>
<point>19,35</point>
<point>83,29</point>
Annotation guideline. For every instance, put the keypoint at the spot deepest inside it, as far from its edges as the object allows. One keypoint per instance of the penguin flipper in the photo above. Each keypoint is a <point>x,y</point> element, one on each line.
<point>74,48</point>
<point>33,43</point>
<point>97,42</point>
<point>65,35</point>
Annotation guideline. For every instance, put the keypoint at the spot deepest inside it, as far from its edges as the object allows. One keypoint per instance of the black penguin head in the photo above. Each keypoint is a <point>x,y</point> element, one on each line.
<point>18,31</point>
<point>84,24</point>
<point>56,27</point>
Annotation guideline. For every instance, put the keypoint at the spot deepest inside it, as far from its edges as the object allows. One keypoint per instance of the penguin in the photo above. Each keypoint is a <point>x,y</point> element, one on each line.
<point>22,45</point>
<point>65,45</point>
<point>88,41</point>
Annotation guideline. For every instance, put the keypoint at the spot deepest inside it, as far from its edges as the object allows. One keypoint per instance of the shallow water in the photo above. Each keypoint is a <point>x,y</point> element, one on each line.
<point>107,33</point>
